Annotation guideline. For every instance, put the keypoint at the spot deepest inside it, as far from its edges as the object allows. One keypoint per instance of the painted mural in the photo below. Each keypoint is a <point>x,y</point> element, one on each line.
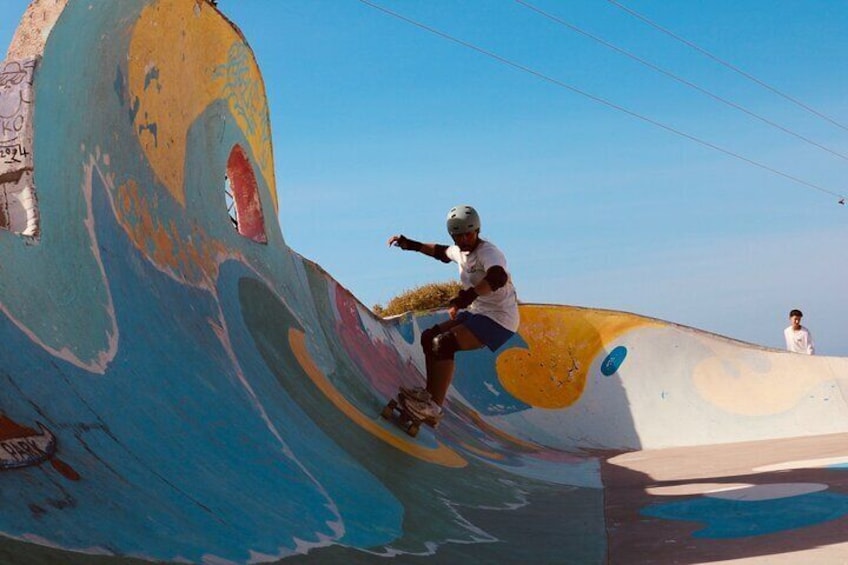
<point>177,390</point>
<point>18,212</point>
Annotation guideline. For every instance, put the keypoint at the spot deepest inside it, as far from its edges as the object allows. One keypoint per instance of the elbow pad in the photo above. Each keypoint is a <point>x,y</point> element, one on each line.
<point>441,253</point>
<point>496,277</point>
<point>464,299</point>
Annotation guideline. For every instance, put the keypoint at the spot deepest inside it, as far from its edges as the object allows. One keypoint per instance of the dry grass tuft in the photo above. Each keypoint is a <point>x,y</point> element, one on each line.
<point>425,297</point>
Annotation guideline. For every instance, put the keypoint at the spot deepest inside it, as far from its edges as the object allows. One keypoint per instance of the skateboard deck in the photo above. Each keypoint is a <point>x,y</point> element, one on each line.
<point>397,412</point>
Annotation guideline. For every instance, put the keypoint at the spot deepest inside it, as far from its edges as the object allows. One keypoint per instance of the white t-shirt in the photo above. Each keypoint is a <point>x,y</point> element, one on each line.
<point>500,305</point>
<point>800,341</point>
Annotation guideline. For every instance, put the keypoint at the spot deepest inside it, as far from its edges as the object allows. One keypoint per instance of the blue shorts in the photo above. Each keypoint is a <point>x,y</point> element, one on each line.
<point>489,332</point>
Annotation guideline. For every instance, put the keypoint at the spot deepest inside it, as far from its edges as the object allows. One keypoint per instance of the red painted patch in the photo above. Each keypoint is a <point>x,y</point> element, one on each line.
<point>64,469</point>
<point>251,222</point>
<point>11,430</point>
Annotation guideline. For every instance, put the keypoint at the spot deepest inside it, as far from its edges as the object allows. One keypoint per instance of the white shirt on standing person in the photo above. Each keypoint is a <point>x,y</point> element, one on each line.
<point>798,338</point>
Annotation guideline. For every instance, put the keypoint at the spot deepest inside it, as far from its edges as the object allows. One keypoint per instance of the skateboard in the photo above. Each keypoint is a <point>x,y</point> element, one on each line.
<point>397,411</point>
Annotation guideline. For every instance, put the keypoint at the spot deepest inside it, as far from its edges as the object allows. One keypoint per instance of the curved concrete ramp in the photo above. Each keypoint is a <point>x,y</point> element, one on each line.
<point>179,386</point>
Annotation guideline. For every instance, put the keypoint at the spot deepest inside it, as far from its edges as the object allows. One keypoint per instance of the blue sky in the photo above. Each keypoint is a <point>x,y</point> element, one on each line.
<point>380,126</point>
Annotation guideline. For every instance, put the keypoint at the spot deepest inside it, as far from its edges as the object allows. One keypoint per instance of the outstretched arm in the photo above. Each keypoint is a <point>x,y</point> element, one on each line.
<point>434,250</point>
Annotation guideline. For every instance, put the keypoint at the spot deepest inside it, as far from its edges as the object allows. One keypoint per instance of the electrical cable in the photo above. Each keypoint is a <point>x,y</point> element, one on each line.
<point>602,101</point>
<point>724,63</point>
<point>679,79</point>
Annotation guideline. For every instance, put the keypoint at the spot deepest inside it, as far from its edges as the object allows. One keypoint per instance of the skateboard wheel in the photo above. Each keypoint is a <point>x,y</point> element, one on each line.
<point>387,411</point>
<point>413,430</point>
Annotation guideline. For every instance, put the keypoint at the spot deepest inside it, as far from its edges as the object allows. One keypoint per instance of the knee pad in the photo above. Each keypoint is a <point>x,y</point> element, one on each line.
<point>427,337</point>
<point>445,346</point>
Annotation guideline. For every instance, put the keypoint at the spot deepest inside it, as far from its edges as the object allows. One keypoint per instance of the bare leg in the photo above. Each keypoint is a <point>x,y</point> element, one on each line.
<point>440,371</point>
<point>439,379</point>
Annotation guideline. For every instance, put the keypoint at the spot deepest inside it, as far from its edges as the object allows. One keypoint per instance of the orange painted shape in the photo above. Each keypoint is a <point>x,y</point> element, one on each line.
<point>194,259</point>
<point>562,343</point>
<point>441,455</point>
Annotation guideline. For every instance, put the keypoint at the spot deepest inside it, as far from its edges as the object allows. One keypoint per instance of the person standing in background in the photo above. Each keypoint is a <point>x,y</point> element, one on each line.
<point>798,338</point>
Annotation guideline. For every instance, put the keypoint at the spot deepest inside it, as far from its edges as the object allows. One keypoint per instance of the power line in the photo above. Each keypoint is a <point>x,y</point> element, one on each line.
<point>678,78</point>
<point>600,100</point>
<point>724,63</point>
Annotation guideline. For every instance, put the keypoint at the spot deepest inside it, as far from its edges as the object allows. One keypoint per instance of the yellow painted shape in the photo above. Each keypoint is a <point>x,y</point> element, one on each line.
<point>561,342</point>
<point>757,383</point>
<point>184,56</point>
<point>441,454</point>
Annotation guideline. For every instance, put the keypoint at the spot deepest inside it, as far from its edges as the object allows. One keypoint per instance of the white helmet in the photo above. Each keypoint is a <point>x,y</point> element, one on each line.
<point>463,219</point>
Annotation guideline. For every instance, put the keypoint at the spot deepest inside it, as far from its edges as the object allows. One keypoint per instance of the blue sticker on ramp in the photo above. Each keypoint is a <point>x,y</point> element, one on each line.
<point>613,360</point>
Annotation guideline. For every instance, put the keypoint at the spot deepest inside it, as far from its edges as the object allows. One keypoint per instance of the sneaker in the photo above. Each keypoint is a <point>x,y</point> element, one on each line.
<point>415,393</point>
<point>426,411</point>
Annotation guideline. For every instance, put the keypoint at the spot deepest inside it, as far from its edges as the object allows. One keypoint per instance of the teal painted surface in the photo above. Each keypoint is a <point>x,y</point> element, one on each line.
<point>728,519</point>
<point>224,407</point>
<point>187,428</point>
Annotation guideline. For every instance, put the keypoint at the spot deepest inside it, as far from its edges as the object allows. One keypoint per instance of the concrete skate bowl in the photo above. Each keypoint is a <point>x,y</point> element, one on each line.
<point>180,386</point>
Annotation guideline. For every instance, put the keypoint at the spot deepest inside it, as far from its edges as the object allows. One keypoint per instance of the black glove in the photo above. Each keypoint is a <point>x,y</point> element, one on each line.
<point>409,244</point>
<point>464,299</point>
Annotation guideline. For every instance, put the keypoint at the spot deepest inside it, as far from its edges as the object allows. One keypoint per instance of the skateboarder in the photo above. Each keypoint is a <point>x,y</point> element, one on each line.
<point>484,313</point>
